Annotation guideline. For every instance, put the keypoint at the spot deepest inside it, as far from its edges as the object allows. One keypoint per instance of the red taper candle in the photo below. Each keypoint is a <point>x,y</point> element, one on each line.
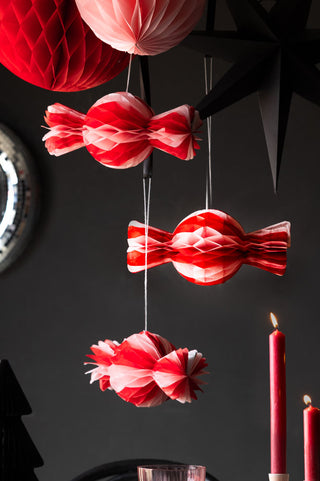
<point>278,414</point>
<point>311,432</point>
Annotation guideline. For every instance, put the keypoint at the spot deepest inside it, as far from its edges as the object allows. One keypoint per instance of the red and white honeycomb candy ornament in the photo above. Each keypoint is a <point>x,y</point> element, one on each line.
<point>120,130</point>
<point>147,370</point>
<point>208,247</point>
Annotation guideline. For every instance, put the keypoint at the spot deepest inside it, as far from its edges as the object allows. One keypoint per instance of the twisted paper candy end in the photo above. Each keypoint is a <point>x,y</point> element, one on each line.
<point>268,248</point>
<point>177,374</point>
<point>103,352</point>
<point>65,129</point>
<point>157,252</point>
<point>176,131</point>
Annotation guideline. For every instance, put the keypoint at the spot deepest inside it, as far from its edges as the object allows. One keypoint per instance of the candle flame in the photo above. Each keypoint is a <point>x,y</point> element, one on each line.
<point>274,320</point>
<point>307,399</point>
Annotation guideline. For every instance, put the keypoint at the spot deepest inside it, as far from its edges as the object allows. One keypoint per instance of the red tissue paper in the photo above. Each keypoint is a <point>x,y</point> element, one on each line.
<point>46,43</point>
<point>142,27</point>
<point>121,130</point>
<point>208,247</point>
<point>147,370</point>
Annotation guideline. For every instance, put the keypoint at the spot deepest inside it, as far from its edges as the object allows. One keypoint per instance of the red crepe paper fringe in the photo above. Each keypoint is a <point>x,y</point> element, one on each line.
<point>121,130</point>
<point>208,247</point>
<point>147,370</point>
<point>66,129</point>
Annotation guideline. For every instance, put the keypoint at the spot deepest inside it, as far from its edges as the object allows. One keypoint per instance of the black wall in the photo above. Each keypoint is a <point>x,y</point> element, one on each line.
<point>72,287</point>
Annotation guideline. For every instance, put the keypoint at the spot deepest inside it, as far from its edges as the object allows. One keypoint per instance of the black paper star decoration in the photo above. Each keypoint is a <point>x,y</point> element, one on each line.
<point>273,54</point>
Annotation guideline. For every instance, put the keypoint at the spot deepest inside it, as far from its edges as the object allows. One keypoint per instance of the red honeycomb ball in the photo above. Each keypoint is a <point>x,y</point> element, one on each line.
<point>46,43</point>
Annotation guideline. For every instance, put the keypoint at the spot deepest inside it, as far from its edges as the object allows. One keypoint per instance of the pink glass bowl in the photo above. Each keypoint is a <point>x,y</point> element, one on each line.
<point>172,472</point>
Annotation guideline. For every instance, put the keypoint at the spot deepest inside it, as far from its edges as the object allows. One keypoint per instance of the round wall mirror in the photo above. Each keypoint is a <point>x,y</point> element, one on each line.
<point>18,197</point>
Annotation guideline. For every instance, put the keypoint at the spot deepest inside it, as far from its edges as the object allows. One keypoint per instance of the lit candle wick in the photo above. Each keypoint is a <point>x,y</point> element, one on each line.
<point>274,320</point>
<point>307,400</point>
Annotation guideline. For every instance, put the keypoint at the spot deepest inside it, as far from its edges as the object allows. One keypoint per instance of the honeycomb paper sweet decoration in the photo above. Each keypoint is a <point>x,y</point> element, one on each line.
<point>141,27</point>
<point>46,43</point>
<point>208,247</point>
<point>121,130</point>
<point>147,370</point>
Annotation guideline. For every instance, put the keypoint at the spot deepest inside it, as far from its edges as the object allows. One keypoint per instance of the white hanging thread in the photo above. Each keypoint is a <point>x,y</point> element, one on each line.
<point>146,208</point>
<point>208,80</point>
<point>129,73</point>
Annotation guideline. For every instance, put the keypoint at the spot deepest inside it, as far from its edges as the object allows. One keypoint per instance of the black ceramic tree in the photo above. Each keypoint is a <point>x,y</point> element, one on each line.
<point>18,454</point>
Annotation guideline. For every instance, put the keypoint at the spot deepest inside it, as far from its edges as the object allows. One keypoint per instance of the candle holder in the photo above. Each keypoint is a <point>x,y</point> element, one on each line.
<point>278,477</point>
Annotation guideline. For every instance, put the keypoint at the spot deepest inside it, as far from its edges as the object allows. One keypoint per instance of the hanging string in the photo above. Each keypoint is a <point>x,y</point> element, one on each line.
<point>208,80</point>
<point>146,208</point>
<point>129,73</point>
